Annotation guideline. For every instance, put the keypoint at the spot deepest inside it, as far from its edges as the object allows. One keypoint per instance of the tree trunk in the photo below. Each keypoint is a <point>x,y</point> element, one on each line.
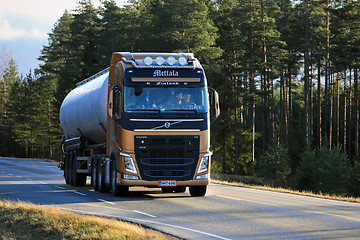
<point>331,116</point>
<point>327,59</point>
<point>345,112</point>
<point>319,107</point>
<point>350,123</point>
<point>356,112</point>
<point>290,122</point>
<point>306,98</point>
<point>337,108</point>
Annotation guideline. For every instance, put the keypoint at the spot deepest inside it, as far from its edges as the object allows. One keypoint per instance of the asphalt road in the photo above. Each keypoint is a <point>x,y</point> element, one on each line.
<point>224,213</point>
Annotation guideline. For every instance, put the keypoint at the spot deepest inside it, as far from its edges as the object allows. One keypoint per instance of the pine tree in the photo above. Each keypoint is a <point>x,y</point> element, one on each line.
<point>85,42</point>
<point>114,33</point>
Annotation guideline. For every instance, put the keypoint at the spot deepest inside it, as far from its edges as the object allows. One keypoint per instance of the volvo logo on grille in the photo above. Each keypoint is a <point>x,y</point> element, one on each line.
<point>167,125</point>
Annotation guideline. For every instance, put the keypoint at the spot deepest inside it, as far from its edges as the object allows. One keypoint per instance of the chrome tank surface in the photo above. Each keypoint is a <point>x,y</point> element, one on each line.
<point>84,109</point>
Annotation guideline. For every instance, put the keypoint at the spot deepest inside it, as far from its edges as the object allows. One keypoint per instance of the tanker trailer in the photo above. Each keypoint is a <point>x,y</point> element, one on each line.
<point>144,121</point>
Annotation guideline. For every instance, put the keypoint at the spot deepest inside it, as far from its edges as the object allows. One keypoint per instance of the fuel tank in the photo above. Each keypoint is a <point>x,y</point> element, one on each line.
<point>84,109</point>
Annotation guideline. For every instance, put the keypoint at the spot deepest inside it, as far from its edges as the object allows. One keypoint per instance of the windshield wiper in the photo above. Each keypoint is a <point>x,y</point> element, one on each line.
<point>146,110</point>
<point>182,110</point>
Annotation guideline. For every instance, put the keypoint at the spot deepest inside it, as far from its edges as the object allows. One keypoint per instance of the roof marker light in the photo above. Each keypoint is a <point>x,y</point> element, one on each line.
<point>148,61</point>
<point>183,61</point>
<point>159,61</point>
<point>170,60</point>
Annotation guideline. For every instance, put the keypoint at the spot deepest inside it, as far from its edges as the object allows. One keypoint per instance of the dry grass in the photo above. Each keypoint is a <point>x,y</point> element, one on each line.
<point>27,221</point>
<point>284,190</point>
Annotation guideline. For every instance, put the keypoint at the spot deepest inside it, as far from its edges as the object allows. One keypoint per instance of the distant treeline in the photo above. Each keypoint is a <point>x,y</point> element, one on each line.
<point>287,73</point>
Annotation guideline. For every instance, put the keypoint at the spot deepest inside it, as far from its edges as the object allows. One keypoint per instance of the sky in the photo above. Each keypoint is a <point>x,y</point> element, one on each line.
<point>25,24</point>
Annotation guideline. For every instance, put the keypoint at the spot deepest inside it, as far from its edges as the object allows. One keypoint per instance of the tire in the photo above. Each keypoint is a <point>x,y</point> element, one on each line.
<point>70,168</point>
<point>75,179</point>
<point>117,190</point>
<point>197,191</point>
<point>66,168</point>
<point>94,173</point>
<point>101,178</point>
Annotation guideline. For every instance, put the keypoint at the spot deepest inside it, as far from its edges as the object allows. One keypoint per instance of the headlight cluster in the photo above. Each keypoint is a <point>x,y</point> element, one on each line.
<point>129,163</point>
<point>204,164</point>
<point>169,61</point>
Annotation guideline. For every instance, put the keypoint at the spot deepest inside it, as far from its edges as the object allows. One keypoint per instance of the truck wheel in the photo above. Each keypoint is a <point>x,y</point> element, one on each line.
<point>94,173</point>
<point>70,167</point>
<point>66,168</point>
<point>101,179</point>
<point>75,179</point>
<point>197,191</point>
<point>117,190</point>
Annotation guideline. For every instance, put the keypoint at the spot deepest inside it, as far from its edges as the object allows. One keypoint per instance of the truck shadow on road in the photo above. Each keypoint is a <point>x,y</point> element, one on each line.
<point>47,193</point>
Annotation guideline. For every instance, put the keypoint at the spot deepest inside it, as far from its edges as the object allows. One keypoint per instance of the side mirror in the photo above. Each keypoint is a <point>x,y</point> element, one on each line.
<point>114,102</point>
<point>214,104</point>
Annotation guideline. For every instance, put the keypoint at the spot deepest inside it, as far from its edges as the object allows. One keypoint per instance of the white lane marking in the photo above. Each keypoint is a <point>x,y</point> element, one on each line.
<point>29,179</point>
<point>43,182</point>
<point>10,174</point>
<point>102,200</point>
<point>60,187</point>
<point>80,193</point>
<point>148,221</point>
<point>19,176</point>
<point>146,214</point>
<point>184,228</point>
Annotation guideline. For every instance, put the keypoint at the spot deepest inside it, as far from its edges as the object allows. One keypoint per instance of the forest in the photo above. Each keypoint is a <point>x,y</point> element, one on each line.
<point>286,70</point>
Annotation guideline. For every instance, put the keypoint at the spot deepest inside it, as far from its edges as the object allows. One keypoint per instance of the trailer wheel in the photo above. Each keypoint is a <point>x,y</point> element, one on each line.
<point>94,173</point>
<point>66,168</point>
<point>117,190</point>
<point>101,178</point>
<point>70,168</point>
<point>75,175</point>
<point>197,191</point>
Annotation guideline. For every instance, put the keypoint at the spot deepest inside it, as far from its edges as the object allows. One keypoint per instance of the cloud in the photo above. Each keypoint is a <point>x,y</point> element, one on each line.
<point>8,32</point>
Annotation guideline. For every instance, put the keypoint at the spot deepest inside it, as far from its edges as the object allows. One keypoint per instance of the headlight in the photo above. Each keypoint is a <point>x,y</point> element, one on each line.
<point>159,61</point>
<point>204,164</point>
<point>171,60</point>
<point>130,177</point>
<point>148,61</point>
<point>204,176</point>
<point>183,61</point>
<point>129,163</point>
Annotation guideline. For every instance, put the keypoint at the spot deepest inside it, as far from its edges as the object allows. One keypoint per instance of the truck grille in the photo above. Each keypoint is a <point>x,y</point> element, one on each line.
<point>167,158</point>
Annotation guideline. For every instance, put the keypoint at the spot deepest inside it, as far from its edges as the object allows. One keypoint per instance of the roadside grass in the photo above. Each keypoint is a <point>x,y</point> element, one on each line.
<point>27,221</point>
<point>257,183</point>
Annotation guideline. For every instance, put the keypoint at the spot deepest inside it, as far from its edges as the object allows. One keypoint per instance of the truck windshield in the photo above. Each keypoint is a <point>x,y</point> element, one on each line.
<point>165,99</point>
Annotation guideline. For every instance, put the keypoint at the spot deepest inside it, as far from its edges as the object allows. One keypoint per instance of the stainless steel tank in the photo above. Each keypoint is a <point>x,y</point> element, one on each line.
<point>84,110</point>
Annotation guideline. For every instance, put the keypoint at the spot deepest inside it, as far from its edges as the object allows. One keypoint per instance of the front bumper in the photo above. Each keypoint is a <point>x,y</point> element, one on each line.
<point>126,182</point>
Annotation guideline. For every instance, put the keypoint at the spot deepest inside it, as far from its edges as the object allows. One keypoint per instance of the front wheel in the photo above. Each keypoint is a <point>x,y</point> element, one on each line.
<point>197,191</point>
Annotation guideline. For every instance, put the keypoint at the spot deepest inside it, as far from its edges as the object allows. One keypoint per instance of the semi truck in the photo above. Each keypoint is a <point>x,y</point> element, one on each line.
<point>144,121</point>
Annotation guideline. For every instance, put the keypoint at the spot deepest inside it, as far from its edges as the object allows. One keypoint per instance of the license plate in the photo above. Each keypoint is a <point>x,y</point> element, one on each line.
<point>167,183</point>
